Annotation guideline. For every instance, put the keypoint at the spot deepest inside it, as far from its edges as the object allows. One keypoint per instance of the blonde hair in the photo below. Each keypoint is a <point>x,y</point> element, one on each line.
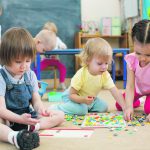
<point>96,47</point>
<point>50,26</point>
<point>47,37</point>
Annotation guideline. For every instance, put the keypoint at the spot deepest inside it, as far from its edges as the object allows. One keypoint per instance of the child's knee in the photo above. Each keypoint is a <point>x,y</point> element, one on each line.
<point>147,107</point>
<point>147,110</point>
<point>100,106</point>
<point>104,108</point>
<point>118,107</point>
<point>82,111</point>
<point>2,121</point>
<point>73,109</point>
<point>61,116</point>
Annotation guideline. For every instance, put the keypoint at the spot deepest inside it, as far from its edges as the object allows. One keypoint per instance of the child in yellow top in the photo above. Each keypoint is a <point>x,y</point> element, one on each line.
<point>81,97</point>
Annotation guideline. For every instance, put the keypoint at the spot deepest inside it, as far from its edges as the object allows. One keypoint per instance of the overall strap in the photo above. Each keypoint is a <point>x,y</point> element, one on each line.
<point>28,83</point>
<point>9,85</point>
<point>26,79</point>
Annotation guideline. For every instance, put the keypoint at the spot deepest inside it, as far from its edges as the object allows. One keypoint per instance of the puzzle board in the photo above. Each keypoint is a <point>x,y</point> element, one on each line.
<point>67,133</point>
<point>96,120</point>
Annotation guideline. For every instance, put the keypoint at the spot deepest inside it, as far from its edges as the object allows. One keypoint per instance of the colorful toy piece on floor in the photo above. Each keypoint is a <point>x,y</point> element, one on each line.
<point>138,119</point>
<point>107,120</point>
<point>42,87</point>
<point>54,96</point>
<point>75,119</point>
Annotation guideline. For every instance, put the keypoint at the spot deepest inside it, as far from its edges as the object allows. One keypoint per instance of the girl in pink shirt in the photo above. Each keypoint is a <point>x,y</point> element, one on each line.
<point>138,70</point>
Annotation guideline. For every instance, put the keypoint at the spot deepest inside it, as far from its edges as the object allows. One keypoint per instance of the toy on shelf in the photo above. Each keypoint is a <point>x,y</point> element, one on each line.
<point>89,27</point>
<point>54,96</point>
<point>42,87</point>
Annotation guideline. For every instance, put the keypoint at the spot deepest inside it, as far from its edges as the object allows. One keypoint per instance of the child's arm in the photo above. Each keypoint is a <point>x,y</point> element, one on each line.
<point>129,94</point>
<point>10,116</point>
<point>38,105</point>
<point>36,99</point>
<point>148,118</point>
<point>118,97</point>
<point>61,44</point>
<point>80,99</point>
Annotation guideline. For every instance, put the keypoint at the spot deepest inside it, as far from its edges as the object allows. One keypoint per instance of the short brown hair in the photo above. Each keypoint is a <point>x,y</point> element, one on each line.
<point>16,42</point>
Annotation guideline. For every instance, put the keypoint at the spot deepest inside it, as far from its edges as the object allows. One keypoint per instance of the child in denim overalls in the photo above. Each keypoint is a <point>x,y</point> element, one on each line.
<point>19,91</point>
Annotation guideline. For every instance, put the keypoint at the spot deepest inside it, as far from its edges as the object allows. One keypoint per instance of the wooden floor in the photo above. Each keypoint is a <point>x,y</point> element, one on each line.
<point>136,138</point>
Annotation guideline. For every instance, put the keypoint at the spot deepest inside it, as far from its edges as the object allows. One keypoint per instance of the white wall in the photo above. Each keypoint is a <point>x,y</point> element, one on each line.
<point>93,10</point>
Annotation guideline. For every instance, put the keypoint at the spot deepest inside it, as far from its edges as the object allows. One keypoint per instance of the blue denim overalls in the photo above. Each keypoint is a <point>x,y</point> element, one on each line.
<point>18,98</point>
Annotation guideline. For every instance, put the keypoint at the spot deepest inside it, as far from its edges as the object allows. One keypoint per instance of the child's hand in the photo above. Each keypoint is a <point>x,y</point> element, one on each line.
<point>26,119</point>
<point>128,113</point>
<point>44,112</point>
<point>148,118</point>
<point>89,100</point>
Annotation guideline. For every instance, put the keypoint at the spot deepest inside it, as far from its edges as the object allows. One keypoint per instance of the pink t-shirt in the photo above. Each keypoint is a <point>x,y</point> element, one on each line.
<point>142,74</point>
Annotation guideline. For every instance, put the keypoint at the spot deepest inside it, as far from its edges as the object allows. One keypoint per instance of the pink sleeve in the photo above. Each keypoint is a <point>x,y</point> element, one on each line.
<point>131,61</point>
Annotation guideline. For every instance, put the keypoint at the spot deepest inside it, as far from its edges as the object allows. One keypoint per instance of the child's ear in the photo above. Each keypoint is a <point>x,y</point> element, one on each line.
<point>38,41</point>
<point>88,61</point>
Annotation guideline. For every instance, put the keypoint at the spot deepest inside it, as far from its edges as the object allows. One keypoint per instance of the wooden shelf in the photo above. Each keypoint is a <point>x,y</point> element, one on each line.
<point>81,38</point>
<point>85,35</point>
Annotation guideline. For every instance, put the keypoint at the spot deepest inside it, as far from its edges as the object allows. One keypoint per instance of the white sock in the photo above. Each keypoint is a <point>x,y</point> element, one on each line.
<point>63,86</point>
<point>12,138</point>
<point>142,99</point>
<point>37,127</point>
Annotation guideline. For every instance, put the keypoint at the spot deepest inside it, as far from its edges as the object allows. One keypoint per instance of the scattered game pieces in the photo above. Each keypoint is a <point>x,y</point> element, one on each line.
<point>104,120</point>
<point>111,129</point>
<point>138,120</point>
<point>115,134</point>
<point>113,121</point>
<point>76,120</point>
<point>110,120</point>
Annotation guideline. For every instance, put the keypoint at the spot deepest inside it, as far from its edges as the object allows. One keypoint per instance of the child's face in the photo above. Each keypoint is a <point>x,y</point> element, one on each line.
<point>19,66</point>
<point>143,53</point>
<point>98,65</point>
<point>40,47</point>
